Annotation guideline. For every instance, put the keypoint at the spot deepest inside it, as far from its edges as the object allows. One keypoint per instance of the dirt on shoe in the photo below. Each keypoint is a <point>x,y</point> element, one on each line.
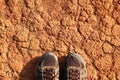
<point>30,28</point>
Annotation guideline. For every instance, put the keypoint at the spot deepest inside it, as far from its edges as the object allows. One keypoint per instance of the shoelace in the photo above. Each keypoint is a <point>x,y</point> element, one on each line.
<point>49,74</point>
<point>74,74</point>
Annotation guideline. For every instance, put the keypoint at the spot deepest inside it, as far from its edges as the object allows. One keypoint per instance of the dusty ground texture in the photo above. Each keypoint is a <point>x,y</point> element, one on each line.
<point>29,28</point>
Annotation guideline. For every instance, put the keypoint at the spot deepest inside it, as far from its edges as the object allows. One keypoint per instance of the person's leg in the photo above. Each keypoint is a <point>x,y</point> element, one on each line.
<point>47,67</point>
<point>75,67</point>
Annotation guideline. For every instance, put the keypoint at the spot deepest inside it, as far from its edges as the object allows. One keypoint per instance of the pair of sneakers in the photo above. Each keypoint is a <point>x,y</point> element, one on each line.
<point>48,67</point>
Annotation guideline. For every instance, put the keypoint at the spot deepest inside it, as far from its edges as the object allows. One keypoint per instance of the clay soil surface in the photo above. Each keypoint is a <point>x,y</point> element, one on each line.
<point>30,28</point>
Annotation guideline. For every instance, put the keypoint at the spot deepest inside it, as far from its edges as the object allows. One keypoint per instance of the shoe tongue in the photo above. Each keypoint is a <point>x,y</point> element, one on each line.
<point>50,61</point>
<point>73,62</point>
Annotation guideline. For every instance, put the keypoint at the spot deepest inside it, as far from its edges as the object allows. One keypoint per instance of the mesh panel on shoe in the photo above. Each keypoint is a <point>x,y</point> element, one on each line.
<point>50,61</point>
<point>73,62</point>
<point>74,74</point>
<point>48,74</point>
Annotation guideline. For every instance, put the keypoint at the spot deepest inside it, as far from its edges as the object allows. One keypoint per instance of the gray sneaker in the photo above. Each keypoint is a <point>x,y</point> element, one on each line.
<point>75,67</point>
<point>47,67</point>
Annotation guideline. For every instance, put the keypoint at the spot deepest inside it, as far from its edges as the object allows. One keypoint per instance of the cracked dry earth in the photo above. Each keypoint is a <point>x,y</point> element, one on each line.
<point>29,28</point>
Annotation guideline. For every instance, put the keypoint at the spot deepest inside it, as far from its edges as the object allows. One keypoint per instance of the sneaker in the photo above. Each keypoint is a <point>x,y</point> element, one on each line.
<point>75,67</point>
<point>47,67</point>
